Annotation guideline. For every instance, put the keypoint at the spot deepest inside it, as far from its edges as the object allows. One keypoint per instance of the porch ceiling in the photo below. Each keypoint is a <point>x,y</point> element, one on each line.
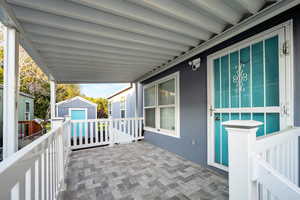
<point>120,41</point>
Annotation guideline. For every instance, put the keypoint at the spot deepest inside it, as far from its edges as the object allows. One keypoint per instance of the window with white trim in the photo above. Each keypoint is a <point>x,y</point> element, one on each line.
<point>27,111</point>
<point>161,106</point>
<point>123,107</point>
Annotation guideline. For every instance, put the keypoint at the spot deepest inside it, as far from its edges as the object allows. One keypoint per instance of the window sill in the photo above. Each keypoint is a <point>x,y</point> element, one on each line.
<point>153,130</point>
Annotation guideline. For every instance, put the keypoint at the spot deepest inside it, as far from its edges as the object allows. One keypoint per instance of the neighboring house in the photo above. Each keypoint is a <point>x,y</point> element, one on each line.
<point>122,104</point>
<point>249,76</point>
<point>77,108</point>
<point>25,109</point>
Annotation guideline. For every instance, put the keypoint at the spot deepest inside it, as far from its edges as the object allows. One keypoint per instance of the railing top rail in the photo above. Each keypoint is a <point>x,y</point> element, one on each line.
<point>27,150</point>
<point>269,141</point>
<point>107,119</point>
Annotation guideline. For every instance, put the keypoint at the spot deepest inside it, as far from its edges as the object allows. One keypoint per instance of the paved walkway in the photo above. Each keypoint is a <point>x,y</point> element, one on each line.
<point>139,171</point>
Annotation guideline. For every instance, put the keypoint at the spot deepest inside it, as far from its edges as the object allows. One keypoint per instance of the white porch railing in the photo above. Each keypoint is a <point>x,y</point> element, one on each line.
<point>262,169</point>
<point>88,133</point>
<point>37,170</point>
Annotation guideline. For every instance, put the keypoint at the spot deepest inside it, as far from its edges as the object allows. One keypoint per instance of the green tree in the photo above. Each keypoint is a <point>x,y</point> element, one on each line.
<point>33,81</point>
<point>102,110</point>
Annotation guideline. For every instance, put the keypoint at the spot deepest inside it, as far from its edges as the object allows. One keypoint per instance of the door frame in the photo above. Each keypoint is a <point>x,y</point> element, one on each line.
<point>287,27</point>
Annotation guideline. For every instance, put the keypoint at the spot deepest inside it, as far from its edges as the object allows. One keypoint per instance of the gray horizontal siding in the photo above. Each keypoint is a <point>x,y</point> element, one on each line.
<point>63,109</point>
<point>130,106</point>
<point>192,143</point>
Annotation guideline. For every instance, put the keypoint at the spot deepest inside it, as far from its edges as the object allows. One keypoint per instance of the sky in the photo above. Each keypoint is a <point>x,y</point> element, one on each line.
<point>102,90</point>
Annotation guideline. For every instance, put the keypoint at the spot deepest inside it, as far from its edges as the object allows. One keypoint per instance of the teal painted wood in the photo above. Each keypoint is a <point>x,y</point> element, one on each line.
<point>217,89</point>
<point>272,71</point>
<point>78,115</point>
<point>225,117</point>
<point>251,60</point>
<point>272,123</point>
<point>234,89</point>
<point>261,118</point>
<point>218,138</point>
<point>245,66</point>
<point>234,116</point>
<point>257,75</point>
<point>246,116</point>
<point>225,81</point>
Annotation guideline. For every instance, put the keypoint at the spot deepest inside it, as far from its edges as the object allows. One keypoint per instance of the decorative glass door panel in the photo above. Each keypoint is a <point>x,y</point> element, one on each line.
<point>246,84</point>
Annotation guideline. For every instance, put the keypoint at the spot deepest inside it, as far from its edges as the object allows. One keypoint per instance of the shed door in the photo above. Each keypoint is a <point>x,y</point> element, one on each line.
<point>79,114</point>
<point>248,82</point>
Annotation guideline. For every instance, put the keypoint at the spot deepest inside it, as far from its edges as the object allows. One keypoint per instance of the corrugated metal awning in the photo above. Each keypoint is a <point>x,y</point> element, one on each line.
<point>82,41</point>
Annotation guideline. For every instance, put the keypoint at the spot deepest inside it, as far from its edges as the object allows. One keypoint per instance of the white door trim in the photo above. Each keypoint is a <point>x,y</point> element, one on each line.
<point>287,28</point>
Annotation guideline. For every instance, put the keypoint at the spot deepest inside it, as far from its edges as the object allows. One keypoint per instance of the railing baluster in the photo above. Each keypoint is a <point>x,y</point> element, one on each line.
<point>130,127</point>
<point>86,124</point>
<point>27,185</point>
<point>101,131</point>
<point>80,132</point>
<point>106,131</point>
<point>96,131</point>
<point>140,127</point>
<point>91,136</point>
<point>74,134</point>
<point>15,192</point>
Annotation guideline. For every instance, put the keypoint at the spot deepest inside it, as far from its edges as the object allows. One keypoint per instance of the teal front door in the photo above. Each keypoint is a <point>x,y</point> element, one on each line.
<point>79,127</point>
<point>247,82</point>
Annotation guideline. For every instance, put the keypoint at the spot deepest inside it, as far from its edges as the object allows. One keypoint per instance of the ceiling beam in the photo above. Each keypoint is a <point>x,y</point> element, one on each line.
<point>139,13</point>
<point>81,55</point>
<point>220,9</point>
<point>50,55</point>
<point>81,77</point>
<point>253,6</point>
<point>54,44</point>
<point>71,35</point>
<point>38,17</point>
<point>77,11</point>
<point>11,20</point>
<point>89,69</point>
<point>186,14</point>
<point>134,66</point>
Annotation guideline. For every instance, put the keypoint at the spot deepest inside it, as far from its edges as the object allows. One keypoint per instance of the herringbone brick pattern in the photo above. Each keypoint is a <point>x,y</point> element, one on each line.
<point>139,171</point>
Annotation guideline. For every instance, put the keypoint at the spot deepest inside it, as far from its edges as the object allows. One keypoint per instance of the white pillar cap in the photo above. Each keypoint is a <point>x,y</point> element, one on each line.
<point>242,124</point>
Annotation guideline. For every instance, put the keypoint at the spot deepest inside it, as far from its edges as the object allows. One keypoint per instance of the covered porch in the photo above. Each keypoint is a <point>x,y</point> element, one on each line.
<point>80,41</point>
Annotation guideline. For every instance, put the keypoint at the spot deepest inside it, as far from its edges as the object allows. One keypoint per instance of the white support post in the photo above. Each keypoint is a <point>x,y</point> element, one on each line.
<point>10,91</point>
<point>111,132</point>
<point>52,100</point>
<point>241,148</point>
<point>57,122</point>
<point>136,99</point>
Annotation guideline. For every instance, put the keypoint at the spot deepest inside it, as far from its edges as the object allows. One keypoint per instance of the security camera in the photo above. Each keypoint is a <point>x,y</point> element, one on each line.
<point>195,64</point>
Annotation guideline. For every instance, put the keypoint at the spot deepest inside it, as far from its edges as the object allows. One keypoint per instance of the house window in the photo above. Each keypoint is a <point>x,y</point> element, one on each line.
<point>161,106</point>
<point>27,111</point>
<point>123,107</point>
